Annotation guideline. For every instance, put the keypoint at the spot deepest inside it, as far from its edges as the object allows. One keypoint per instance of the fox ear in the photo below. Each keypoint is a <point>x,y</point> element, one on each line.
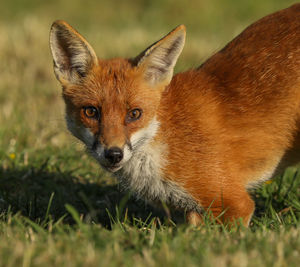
<point>157,61</point>
<point>72,55</point>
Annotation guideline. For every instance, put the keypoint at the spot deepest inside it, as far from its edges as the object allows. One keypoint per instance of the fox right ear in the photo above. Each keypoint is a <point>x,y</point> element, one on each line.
<point>158,61</point>
<point>72,55</point>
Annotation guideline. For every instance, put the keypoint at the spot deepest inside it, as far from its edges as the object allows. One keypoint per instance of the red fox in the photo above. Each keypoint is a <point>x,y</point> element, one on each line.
<point>198,140</point>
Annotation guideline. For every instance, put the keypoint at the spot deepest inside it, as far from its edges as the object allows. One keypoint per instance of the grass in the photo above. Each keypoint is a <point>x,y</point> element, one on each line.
<point>57,207</point>
<point>92,245</point>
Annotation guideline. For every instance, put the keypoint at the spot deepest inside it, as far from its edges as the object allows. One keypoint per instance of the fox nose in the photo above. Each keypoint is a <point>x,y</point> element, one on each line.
<point>113,155</point>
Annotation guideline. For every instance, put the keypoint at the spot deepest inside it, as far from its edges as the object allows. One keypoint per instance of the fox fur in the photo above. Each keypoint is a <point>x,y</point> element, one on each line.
<point>197,140</point>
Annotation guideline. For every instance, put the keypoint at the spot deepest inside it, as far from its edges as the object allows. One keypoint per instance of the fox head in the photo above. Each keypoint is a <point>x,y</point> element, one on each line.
<point>111,105</point>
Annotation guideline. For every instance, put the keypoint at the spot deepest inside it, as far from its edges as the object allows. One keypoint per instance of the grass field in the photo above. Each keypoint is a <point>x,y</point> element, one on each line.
<point>57,207</point>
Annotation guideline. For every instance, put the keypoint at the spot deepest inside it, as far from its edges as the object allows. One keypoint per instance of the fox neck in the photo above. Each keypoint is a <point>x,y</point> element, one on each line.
<point>143,174</point>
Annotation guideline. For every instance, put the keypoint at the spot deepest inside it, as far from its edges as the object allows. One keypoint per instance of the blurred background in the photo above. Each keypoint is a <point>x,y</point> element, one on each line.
<point>31,109</point>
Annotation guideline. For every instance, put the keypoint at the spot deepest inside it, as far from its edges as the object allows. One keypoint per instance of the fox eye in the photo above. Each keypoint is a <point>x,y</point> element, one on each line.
<point>133,115</point>
<point>91,112</point>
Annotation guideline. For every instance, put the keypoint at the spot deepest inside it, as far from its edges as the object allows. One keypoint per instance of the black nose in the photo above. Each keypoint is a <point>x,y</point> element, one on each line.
<point>113,155</point>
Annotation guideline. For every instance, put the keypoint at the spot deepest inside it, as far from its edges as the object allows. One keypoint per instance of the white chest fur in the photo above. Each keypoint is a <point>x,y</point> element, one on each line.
<point>142,174</point>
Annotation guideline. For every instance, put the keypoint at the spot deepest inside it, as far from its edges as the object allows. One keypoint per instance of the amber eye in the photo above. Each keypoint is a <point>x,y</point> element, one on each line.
<point>133,115</point>
<point>91,112</point>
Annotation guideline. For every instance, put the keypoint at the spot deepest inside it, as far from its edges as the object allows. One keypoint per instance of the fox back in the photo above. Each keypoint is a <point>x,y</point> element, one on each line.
<point>197,140</point>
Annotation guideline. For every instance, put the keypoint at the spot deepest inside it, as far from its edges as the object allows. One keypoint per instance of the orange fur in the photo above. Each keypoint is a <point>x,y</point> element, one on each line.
<point>226,126</point>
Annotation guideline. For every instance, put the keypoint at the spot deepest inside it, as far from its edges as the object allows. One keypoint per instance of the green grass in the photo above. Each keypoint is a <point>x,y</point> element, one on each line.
<point>57,207</point>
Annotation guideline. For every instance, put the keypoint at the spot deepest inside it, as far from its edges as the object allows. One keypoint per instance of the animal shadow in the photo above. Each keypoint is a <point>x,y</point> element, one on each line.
<point>31,191</point>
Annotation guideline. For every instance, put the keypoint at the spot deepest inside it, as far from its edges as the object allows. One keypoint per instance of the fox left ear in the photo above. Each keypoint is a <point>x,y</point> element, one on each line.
<point>72,55</point>
<point>157,62</point>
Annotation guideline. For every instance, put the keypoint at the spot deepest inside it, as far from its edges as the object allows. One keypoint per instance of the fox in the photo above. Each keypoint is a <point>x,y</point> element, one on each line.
<point>198,140</point>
